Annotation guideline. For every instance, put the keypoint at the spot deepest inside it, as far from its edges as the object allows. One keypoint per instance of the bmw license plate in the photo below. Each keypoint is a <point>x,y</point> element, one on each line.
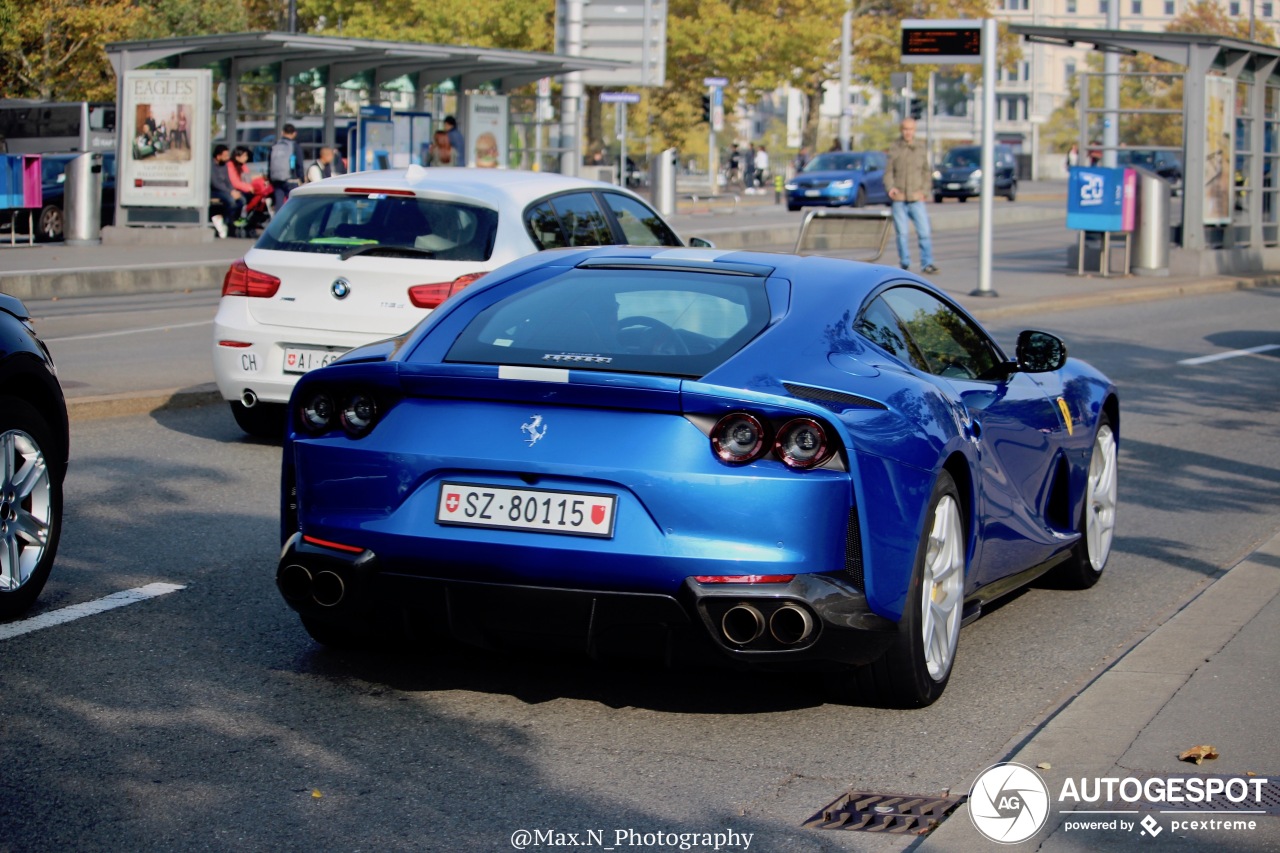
<point>537,510</point>
<point>299,360</point>
<point>953,186</point>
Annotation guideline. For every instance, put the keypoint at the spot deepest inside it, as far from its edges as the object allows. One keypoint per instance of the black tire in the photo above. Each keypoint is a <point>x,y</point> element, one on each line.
<point>1012,195</point>
<point>1079,571</point>
<point>937,198</point>
<point>793,207</point>
<point>860,197</point>
<point>901,677</point>
<point>964,198</point>
<point>50,224</point>
<point>265,420</point>
<point>20,417</point>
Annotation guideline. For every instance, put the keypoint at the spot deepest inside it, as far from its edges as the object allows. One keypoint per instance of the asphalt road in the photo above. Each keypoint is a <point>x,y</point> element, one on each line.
<point>207,719</point>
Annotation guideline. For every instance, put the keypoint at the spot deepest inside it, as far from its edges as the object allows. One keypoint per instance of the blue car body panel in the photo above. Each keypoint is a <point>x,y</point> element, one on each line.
<point>681,512</point>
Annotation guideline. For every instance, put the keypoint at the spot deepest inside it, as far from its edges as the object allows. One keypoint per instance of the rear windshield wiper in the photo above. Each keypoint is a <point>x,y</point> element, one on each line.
<point>373,247</point>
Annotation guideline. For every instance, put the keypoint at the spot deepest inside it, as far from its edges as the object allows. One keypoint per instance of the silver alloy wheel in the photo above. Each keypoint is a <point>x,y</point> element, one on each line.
<point>941,588</point>
<point>26,508</point>
<point>1100,511</point>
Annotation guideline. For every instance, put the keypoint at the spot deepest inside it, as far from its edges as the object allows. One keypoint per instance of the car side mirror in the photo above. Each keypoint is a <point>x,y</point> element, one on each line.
<point>701,243</point>
<point>1040,352</point>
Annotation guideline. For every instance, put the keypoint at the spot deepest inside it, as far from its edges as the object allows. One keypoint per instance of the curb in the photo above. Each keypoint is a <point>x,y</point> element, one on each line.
<point>81,409</point>
<point>1107,715</point>
<point>1148,293</point>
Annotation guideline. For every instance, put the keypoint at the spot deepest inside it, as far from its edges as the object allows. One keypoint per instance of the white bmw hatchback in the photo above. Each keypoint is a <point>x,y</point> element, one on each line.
<point>361,257</point>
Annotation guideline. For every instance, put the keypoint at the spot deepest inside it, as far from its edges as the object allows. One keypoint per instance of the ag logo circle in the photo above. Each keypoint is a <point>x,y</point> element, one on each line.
<point>1008,803</point>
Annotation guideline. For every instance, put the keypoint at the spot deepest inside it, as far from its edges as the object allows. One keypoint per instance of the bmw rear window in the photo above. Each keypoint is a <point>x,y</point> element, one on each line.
<point>665,322</point>
<point>382,225</point>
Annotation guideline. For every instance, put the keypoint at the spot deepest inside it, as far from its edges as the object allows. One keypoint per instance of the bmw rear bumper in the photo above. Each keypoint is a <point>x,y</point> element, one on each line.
<point>815,621</point>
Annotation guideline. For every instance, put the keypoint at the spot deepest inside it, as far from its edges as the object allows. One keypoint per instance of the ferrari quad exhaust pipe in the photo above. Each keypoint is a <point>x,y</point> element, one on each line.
<point>790,624</point>
<point>742,624</point>
<point>248,399</point>
<point>295,582</point>
<point>327,589</point>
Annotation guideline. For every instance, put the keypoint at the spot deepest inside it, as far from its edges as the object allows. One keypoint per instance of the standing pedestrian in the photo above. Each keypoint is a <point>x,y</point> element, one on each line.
<point>322,166</point>
<point>802,159</point>
<point>1073,156</point>
<point>284,165</point>
<point>762,168</point>
<point>749,170</point>
<point>909,181</point>
<point>456,141</point>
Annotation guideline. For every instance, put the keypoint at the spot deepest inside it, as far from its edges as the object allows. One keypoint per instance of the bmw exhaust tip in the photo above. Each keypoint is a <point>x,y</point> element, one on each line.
<point>742,624</point>
<point>790,624</point>
<point>328,589</point>
<point>295,582</point>
<point>248,399</point>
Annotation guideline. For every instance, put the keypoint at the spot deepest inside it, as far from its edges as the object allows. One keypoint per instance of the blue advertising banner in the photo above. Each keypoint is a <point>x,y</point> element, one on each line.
<point>1101,199</point>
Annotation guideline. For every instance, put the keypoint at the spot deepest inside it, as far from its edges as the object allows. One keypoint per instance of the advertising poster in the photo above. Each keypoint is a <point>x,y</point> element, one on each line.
<point>487,131</point>
<point>1219,125</point>
<point>165,120</point>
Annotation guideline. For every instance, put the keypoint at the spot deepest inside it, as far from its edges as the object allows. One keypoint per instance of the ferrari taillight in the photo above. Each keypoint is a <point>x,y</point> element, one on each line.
<point>240,280</point>
<point>738,438</point>
<point>431,295</point>
<point>802,443</point>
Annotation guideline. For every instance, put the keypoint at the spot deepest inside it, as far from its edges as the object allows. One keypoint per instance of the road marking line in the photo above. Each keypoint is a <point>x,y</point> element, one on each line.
<point>88,608</point>
<point>123,332</point>
<point>1235,353</point>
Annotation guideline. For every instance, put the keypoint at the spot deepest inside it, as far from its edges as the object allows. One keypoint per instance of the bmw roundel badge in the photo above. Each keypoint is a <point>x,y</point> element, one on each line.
<point>340,288</point>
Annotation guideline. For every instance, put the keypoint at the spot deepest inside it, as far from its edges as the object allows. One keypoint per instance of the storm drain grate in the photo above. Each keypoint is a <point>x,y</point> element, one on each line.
<point>892,813</point>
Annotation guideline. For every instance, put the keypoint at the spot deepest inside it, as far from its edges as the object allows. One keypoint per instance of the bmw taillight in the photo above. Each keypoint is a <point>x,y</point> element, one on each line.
<point>738,438</point>
<point>802,443</point>
<point>431,295</point>
<point>240,280</point>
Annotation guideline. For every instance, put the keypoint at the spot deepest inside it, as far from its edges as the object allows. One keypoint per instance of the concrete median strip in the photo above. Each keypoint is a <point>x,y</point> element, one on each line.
<point>140,402</point>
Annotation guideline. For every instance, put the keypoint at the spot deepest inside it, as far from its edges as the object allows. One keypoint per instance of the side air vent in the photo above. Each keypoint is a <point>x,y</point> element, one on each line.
<point>853,551</point>
<point>823,395</point>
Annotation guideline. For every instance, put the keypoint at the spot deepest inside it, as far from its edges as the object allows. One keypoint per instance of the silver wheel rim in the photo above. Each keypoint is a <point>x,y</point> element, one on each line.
<point>940,590</point>
<point>26,507</point>
<point>1100,511</point>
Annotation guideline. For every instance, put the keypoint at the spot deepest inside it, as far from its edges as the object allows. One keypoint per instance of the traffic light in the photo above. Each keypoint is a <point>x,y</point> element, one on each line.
<point>917,108</point>
<point>706,108</point>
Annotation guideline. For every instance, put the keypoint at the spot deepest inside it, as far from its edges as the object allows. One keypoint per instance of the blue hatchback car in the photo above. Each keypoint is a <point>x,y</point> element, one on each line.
<point>768,460</point>
<point>839,178</point>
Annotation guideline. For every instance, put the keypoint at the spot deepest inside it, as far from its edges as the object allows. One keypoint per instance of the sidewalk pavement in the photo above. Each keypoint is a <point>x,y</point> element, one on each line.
<point>1207,676</point>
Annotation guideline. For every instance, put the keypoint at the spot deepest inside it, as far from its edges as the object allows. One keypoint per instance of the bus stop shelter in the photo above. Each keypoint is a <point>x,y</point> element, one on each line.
<point>1250,241</point>
<point>339,60</point>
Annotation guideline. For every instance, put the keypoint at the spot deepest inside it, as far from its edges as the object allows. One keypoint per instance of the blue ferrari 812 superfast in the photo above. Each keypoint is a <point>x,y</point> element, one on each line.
<point>769,460</point>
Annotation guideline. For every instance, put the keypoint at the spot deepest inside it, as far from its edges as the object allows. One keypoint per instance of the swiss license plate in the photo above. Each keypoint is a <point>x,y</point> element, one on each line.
<point>812,193</point>
<point>537,510</point>
<point>299,360</point>
<point>953,186</point>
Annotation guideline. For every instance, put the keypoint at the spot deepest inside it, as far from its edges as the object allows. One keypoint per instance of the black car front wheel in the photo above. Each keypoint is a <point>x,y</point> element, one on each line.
<point>264,420</point>
<point>30,504</point>
<point>51,224</point>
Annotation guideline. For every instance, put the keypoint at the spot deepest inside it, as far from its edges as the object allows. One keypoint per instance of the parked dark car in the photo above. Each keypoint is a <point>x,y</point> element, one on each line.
<point>50,222</point>
<point>852,178</point>
<point>33,459</point>
<point>1166,164</point>
<point>959,175</point>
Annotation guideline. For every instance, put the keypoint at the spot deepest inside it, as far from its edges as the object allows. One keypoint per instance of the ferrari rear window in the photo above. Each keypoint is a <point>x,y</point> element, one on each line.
<point>665,322</point>
<point>384,226</point>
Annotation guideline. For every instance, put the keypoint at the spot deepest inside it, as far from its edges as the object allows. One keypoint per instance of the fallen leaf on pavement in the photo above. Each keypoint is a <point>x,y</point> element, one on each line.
<point>1199,754</point>
<point>1044,765</point>
<point>315,794</point>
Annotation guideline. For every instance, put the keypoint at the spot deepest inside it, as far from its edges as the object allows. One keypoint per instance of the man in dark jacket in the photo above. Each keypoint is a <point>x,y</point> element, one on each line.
<point>909,181</point>
<point>284,165</point>
<point>220,188</point>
